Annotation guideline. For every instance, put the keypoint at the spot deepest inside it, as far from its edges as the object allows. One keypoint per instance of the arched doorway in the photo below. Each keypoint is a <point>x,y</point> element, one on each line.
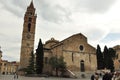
<point>82,66</point>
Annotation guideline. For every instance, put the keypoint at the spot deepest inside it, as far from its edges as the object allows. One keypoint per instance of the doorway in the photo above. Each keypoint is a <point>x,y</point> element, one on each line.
<point>82,66</point>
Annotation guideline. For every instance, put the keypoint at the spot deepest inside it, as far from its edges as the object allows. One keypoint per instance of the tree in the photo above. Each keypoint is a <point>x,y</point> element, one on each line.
<point>100,61</point>
<point>30,69</point>
<point>109,55</point>
<point>57,64</point>
<point>112,55</point>
<point>39,58</point>
<point>106,58</point>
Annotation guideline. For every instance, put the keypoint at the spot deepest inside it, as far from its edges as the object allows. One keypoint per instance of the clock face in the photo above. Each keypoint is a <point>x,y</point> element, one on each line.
<point>28,36</point>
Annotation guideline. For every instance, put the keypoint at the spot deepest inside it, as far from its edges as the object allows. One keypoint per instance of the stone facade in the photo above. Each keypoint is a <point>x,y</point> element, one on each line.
<point>28,35</point>
<point>78,54</point>
<point>9,67</point>
<point>117,60</point>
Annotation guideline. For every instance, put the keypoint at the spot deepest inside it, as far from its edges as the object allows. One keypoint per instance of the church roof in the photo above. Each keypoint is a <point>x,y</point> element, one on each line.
<point>51,40</point>
<point>80,35</point>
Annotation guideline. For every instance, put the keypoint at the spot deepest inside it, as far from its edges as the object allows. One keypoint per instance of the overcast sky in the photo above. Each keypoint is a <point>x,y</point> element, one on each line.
<point>98,20</point>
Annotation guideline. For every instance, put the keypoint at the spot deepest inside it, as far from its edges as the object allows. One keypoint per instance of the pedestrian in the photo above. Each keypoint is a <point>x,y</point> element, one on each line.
<point>96,76</point>
<point>92,77</point>
<point>107,76</point>
<point>15,75</point>
<point>114,76</point>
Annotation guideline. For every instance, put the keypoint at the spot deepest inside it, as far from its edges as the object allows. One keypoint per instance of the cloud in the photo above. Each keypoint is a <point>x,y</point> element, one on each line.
<point>53,12</point>
<point>111,36</point>
<point>9,58</point>
<point>59,19</point>
<point>15,7</point>
<point>98,6</point>
<point>57,11</point>
<point>10,47</point>
<point>110,40</point>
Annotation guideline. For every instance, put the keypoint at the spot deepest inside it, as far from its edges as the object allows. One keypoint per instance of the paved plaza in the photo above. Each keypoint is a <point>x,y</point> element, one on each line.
<point>11,77</point>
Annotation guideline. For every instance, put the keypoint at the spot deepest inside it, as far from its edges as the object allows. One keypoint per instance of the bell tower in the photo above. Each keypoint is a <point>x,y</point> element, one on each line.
<point>28,35</point>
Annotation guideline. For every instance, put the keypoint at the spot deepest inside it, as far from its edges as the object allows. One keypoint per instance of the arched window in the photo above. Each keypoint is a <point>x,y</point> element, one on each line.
<point>29,27</point>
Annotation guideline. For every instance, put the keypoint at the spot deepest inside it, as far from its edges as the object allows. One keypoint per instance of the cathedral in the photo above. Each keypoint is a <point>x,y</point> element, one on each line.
<point>78,54</point>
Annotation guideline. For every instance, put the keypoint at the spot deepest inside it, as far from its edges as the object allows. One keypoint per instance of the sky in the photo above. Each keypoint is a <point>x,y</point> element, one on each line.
<point>98,20</point>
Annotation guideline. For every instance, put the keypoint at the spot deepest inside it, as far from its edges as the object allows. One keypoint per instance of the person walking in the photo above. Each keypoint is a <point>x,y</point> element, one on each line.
<point>92,77</point>
<point>15,75</point>
<point>107,76</point>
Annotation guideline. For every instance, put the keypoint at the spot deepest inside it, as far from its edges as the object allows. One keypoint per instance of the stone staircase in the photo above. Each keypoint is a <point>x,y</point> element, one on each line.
<point>71,74</point>
<point>80,74</point>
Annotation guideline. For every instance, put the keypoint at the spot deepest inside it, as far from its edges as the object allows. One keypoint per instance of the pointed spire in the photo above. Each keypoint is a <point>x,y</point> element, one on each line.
<point>31,4</point>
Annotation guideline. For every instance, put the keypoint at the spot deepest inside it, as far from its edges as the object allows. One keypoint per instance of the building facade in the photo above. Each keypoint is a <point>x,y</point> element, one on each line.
<point>9,67</point>
<point>117,60</point>
<point>28,35</point>
<point>78,54</point>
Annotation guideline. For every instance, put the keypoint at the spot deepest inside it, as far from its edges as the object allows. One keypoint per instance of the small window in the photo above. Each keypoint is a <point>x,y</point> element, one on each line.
<point>29,27</point>
<point>30,13</point>
<point>30,19</point>
<point>4,64</point>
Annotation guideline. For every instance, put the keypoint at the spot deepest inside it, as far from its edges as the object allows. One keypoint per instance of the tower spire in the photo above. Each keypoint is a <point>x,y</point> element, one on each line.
<point>31,4</point>
<point>28,35</point>
<point>31,1</point>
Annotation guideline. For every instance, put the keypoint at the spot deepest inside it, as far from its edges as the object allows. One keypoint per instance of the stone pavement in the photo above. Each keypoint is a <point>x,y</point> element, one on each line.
<point>11,77</point>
